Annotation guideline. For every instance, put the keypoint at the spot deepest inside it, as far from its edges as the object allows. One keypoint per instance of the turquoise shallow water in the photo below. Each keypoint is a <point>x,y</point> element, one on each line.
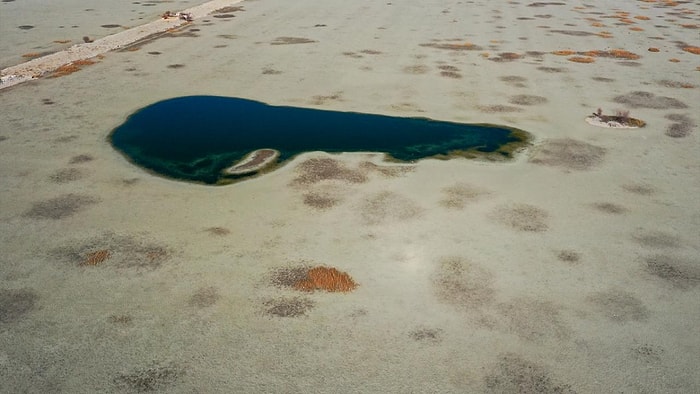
<point>194,138</point>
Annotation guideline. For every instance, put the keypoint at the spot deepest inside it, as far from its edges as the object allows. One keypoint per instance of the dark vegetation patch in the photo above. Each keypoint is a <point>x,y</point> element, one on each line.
<point>450,71</point>
<point>16,303</point>
<point>224,16</point>
<point>619,306</point>
<point>533,320</point>
<point>460,194</point>
<point>121,319</point>
<point>640,99</point>
<point>679,272</point>
<point>4,138</point>
<point>628,63</point>
<point>423,334</point>
<point>648,351</point>
<point>527,99</point>
<point>47,101</point>
<point>353,55</point>
<point>288,306</point>
<point>120,251</point>
<point>552,70</point>
<point>498,108</point>
<point>177,65</point>
<point>568,153</point>
<point>79,159</point>
<point>416,69</point>
<point>388,206</point>
<point>228,9</point>
<point>321,99</point>
<point>66,175</point>
<point>218,231</point>
<point>371,52</point>
<point>320,201</point>
<point>315,170</point>
<point>60,207</point>
<point>569,256</point>
<point>110,26</point>
<point>514,80</point>
<point>682,127</point>
<point>514,374</point>
<point>461,283</point>
<point>25,27</point>
<point>544,4</point>
<point>153,378</point>
<point>270,71</point>
<point>609,208</point>
<point>505,57</point>
<point>288,277</point>
<point>291,41</point>
<point>603,79</point>
<point>675,84</point>
<point>522,217</point>
<point>204,297</point>
<point>467,46</point>
<point>657,240</point>
<point>577,33</point>
<point>639,188</point>
<point>154,53</point>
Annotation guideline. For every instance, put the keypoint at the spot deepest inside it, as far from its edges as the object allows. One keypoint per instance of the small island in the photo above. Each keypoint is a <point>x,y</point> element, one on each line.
<point>253,162</point>
<point>621,120</point>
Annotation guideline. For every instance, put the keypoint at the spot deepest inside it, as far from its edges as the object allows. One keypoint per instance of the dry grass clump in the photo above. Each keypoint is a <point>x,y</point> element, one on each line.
<point>682,126</point>
<point>15,303</point>
<point>204,297</point>
<point>679,272</point>
<point>569,154</point>
<point>640,99</point>
<point>317,170</point>
<point>388,206</point>
<point>60,207</point>
<point>522,217</point>
<point>693,50</point>
<point>96,258</point>
<point>527,99</point>
<point>154,378</point>
<point>619,306</point>
<point>70,68</point>
<point>581,59</point>
<point>461,283</point>
<point>320,201</point>
<point>514,374</point>
<point>326,279</point>
<point>32,55</point>
<point>288,306</point>
<point>66,175</point>
<point>653,49</point>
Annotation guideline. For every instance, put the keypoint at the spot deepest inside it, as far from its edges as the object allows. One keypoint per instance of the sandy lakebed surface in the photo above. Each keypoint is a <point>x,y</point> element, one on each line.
<point>574,267</point>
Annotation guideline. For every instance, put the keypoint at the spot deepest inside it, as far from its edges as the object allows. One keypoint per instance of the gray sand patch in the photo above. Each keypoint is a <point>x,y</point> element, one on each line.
<point>568,154</point>
<point>533,320</point>
<point>569,256</point>
<point>609,208</point>
<point>66,175</point>
<point>460,194</point>
<point>522,217</point>
<point>515,374</point>
<point>619,306</point>
<point>122,251</point>
<point>320,201</point>
<point>60,207</point>
<point>204,297</point>
<point>679,272</point>
<point>154,378</point>
<point>288,306</point>
<point>527,99</point>
<point>657,240</point>
<point>316,170</point>
<point>461,283</point>
<point>640,99</point>
<point>16,303</point>
<point>388,206</point>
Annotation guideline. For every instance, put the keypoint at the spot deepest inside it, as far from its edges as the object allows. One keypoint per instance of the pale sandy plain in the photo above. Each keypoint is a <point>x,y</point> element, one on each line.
<point>573,268</point>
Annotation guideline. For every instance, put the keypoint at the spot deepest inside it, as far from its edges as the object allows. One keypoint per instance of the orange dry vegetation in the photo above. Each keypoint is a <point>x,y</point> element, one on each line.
<point>564,52</point>
<point>328,279</point>
<point>623,54</point>
<point>61,41</point>
<point>636,28</point>
<point>693,50</point>
<point>70,68</point>
<point>652,49</point>
<point>581,59</point>
<point>642,17</point>
<point>96,258</point>
<point>32,54</point>
<point>674,60</point>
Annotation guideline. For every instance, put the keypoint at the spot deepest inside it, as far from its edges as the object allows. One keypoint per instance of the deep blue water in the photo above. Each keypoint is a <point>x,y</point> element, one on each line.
<point>194,138</point>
